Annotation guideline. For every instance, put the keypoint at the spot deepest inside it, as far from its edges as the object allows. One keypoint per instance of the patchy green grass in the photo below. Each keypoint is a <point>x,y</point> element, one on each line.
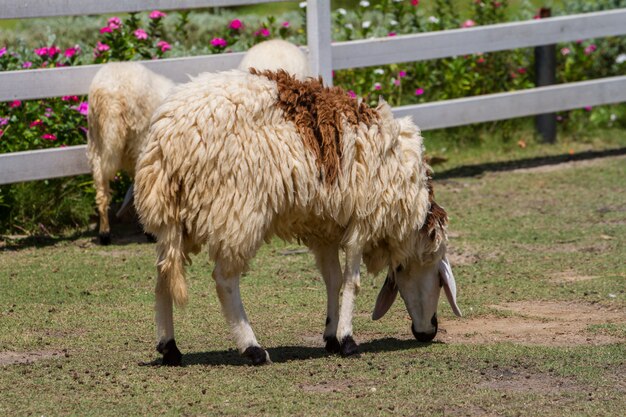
<point>539,259</point>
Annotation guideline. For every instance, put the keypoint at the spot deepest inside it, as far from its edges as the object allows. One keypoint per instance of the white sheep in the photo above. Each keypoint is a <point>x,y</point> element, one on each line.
<point>235,158</point>
<point>122,98</point>
<point>277,54</point>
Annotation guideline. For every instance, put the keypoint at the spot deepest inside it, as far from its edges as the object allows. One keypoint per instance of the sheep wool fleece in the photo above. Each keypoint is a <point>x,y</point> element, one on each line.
<point>234,158</point>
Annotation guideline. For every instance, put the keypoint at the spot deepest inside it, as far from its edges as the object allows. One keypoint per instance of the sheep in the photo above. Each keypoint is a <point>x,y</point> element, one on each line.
<point>122,98</point>
<point>235,158</point>
<point>277,54</point>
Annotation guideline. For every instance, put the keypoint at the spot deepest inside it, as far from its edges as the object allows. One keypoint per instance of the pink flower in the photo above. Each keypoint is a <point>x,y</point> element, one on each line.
<point>590,49</point>
<point>396,82</point>
<point>392,34</point>
<point>468,23</point>
<point>35,123</point>
<point>377,86</point>
<point>53,50</point>
<point>4,121</point>
<point>69,98</point>
<point>415,2</point>
<point>70,52</point>
<point>285,24</point>
<point>156,14</point>
<point>588,108</point>
<point>48,136</point>
<point>27,64</point>
<point>559,118</point>
<point>480,60</point>
<point>164,46</point>
<point>114,22</point>
<point>235,24</point>
<point>140,34</point>
<point>262,32</point>
<point>419,91</point>
<point>496,4</point>
<point>3,51</point>
<point>565,51</point>
<point>352,94</point>
<point>401,74</point>
<point>219,42</point>
<point>521,70</point>
<point>41,51</point>
<point>83,108</point>
<point>106,29</point>
<point>15,103</point>
<point>101,47</point>
<point>1,132</point>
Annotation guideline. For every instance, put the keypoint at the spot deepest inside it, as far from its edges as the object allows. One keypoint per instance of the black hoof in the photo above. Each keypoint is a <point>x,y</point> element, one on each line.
<point>349,346</point>
<point>150,237</point>
<point>332,344</point>
<point>257,355</point>
<point>171,354</point>
<point>105,238</point>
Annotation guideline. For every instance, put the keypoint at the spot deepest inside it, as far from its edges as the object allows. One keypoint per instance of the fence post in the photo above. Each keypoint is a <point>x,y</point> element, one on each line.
<point>318,27</point>
<point>545,74</point>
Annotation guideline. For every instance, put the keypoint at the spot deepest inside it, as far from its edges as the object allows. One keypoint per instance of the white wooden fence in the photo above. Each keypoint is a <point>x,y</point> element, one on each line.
<point>324,56</point>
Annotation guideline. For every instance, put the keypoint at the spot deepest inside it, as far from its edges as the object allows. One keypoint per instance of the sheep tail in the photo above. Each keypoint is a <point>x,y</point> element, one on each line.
<point>171,266</point>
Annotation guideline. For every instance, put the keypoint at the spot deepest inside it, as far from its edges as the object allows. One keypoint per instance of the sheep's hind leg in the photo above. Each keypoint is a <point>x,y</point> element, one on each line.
<point>232,307</point>
<point>103,199</point>
<point>328,263</point>
<point>165,327</point>
<point>351,286</point>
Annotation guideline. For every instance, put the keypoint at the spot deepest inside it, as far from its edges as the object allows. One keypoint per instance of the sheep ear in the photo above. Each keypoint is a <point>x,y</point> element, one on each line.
<point>449,284</point>
<point>386,297</point>
<point>129,200</point>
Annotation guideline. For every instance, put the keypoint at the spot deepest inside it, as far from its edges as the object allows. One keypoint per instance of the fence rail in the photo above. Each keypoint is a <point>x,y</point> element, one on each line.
<point>443,44</point>
<point>23,9</point>
<point>324,56</point>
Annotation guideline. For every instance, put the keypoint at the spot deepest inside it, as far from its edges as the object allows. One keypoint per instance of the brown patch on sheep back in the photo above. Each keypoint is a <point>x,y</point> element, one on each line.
<point>437,218</point>
<point>318,114</point>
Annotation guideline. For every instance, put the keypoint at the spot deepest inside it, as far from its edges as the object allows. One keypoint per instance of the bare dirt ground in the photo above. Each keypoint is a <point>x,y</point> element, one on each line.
<point>546,323</point>
<point>13,358</point>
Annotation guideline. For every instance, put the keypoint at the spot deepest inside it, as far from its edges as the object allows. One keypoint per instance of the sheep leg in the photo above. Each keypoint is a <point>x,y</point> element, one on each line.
<point>328,262</point>
<point>103,199</point>
<point>170,287</point>
<point>165,327</point>
<point>232,307</point>
<point>351,286</point>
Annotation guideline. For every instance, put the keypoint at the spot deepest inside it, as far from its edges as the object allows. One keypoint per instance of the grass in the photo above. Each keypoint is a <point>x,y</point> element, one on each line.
<point>89,309</point>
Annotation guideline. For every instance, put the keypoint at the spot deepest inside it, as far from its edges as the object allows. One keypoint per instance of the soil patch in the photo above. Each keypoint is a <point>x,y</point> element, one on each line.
<point>337,386</point>
<point>513,380</point>
<point>547,323</point>
<point>13,358</point>
<point>565,277</point>
<point>459,256</point>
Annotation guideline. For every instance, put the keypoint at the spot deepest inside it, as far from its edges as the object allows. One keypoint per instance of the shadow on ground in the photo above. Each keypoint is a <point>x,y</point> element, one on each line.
<point>474,170</point>
<point>122,233</point>
<point>283,354</point>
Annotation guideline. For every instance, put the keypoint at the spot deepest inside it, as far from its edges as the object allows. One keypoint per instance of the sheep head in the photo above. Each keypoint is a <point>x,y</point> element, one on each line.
<point>420,278</point>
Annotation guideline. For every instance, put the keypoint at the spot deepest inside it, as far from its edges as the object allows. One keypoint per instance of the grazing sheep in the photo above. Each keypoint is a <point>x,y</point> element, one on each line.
<point>122,98</point>
<point>235,158</point>
<point>277,54</point>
